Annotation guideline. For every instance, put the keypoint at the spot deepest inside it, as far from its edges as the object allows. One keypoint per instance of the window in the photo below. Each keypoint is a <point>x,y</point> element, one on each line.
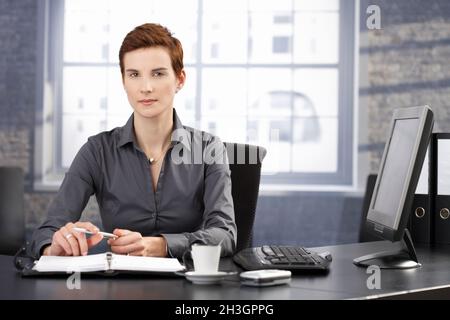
<point>281,45</point>
<point>273,73</point>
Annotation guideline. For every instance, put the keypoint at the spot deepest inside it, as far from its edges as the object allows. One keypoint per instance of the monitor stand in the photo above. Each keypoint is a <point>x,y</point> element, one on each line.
<point>404,258</point>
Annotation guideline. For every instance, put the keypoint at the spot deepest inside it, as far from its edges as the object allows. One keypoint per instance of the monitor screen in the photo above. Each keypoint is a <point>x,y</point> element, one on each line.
<point>400,167</point>
<point>388,201</point>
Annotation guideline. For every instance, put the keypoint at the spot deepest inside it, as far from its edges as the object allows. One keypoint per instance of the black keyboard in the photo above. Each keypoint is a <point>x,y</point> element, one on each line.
<point>282,257</point>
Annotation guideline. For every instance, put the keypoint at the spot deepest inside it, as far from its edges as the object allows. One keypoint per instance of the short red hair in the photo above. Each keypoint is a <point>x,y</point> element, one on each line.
<point>153,35</point>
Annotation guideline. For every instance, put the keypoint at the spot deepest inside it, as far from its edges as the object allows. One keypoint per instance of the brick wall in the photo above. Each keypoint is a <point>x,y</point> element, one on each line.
<point>408,64</point>
<point>17,82</point>
<point>18,23</point>
<point>17,94</point>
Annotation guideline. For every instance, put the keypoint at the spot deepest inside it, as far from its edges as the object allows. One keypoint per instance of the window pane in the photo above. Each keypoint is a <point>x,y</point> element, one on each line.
<point>135,8</point>
<point>140,10</point>
<point>225,38</point>
<point>270,5</point>
<point>278,157</point>
<point>227,128</point>
<point>75,132</point>
<point>315,145</point>
<point>316,92</point>
<point>183,26</point>
<point>224,6</point>
<point>280,129</point>
<point>187,7</point>
<point>224,92</point>
<point>270,38</point>
<point>80,96</point>
<point>114,121</point>
<point>86,36</point>
<point>119,28</point>
<point>83,5</point>
<point>269,92</point>
<point>185,102</point>
<point>316,5</point>
<point>316,38</point>
<point>118,105</point>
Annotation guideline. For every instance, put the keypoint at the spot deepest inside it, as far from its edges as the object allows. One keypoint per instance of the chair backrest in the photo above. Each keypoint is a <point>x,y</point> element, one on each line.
<point>245,165</point>
<point>365,236</point>
<point>12,214</point>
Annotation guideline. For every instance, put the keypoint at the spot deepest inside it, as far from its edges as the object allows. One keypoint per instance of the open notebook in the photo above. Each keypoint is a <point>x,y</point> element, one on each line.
<point>106,262</point>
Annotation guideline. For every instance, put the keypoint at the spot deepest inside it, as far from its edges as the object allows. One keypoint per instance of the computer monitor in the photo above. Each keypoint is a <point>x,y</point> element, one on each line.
<point>390,206</point>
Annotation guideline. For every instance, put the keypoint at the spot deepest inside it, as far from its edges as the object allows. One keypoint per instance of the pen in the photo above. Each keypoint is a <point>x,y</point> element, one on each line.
<point>104,234</point>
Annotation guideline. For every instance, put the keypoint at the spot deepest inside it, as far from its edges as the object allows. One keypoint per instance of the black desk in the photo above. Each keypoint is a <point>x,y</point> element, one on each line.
<point>344,281</point>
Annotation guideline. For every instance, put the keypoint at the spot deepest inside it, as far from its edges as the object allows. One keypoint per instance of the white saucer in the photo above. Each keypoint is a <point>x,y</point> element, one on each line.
<point>207,278</point>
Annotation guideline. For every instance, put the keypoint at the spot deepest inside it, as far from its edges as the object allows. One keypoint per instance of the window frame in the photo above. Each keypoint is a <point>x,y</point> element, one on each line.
<point>48,156</point>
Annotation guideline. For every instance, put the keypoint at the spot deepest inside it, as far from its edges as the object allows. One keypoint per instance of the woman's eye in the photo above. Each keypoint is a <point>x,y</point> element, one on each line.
<point>133,75</point>
<point>157,74</point>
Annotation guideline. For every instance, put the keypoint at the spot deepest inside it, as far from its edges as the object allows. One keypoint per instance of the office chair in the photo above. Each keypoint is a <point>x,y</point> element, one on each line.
<point>245,165</point>
<point>365,236</point>
<point>12,213</point>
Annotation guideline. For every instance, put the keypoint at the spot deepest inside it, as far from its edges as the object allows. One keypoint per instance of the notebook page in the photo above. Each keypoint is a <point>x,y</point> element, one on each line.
<point>122,262</point>
<point>95,262</point>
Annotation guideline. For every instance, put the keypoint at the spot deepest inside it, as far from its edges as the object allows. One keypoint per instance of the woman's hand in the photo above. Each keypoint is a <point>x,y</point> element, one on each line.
<point>68,242</point>
<point>133,244</point>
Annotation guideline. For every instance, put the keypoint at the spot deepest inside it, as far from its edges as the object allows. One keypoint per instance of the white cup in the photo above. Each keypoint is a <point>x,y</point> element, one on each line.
<point>206,258</point>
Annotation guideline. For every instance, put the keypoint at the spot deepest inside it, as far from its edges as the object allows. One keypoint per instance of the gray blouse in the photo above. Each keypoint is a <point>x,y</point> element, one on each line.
<point>192,202</point>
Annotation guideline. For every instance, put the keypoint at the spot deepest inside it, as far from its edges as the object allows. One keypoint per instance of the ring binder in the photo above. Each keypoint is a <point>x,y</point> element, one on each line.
<point>420,220</point>
<point>109,261</point>
<point>444,213</point>
<point>441,187</point>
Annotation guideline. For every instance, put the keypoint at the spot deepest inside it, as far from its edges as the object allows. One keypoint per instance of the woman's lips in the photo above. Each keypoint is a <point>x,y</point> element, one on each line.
<point>147,102</point>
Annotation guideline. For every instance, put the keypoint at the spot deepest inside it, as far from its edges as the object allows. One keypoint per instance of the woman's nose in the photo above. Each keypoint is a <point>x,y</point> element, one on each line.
<point>146,86</point>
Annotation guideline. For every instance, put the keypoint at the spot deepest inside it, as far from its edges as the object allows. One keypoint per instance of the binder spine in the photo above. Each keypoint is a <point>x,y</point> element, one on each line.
<point>420,220</point>
<point>431,190</point>
<point>433,186</point>
<point>441,198</point>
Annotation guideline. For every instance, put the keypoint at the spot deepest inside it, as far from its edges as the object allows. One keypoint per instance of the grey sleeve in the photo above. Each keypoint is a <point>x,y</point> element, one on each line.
<point>218,217</point>
<point>78,185</point>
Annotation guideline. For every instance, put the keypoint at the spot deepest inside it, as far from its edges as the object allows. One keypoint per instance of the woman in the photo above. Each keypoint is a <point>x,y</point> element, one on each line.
<point>155,204</point>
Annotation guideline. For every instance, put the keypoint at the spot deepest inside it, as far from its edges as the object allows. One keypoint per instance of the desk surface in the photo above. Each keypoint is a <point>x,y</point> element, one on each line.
<point>343,281</point>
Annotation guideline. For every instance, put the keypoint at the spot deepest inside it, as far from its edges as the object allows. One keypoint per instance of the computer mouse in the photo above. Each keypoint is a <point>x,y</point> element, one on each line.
<point>326,255</point>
